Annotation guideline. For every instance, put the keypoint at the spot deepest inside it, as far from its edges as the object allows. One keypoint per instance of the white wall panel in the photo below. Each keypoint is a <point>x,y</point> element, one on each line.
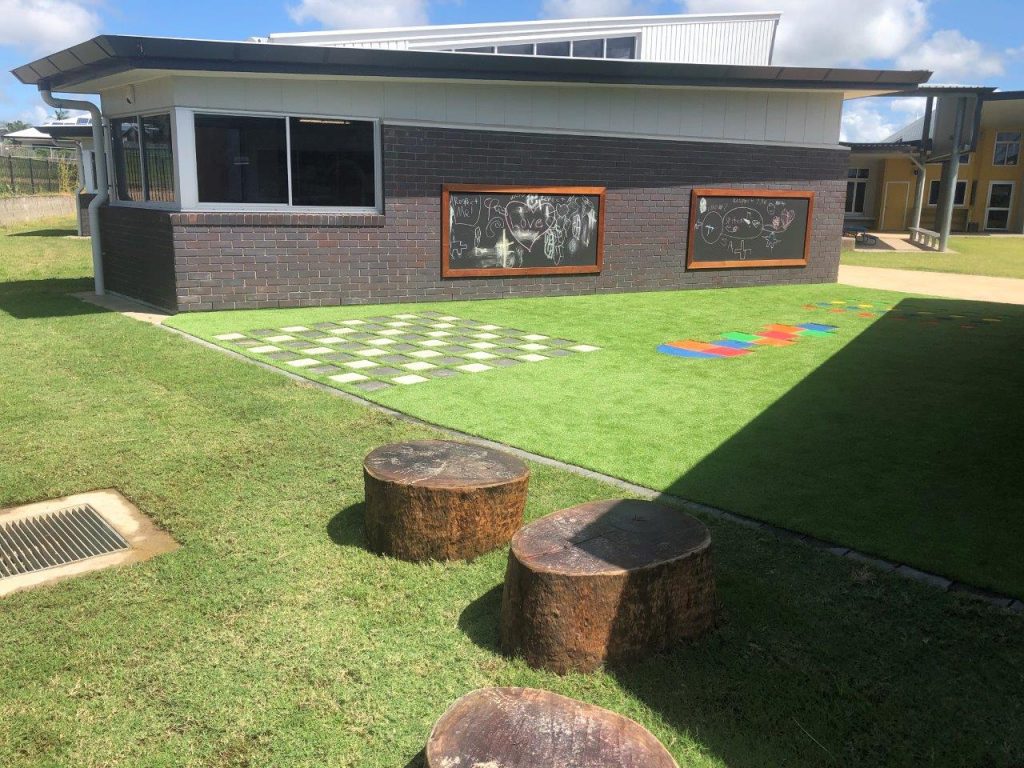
<point>796,117</point>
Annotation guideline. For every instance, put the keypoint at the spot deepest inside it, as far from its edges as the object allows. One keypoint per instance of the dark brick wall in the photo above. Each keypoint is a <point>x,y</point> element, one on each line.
<point>282,260</point>
<point>138,254</point>
<point>84,198</point>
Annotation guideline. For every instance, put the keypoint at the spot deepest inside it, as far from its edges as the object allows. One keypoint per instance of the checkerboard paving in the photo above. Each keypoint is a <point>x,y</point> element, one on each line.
<point>376,353</point>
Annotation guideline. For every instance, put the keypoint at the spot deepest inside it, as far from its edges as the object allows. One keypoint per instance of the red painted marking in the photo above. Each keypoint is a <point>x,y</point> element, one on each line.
<point>781,335</point>
<point>693,346</point>
<point>770,342</point>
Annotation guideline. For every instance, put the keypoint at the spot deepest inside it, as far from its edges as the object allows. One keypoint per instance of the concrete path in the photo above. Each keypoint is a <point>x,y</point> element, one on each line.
<point>1005,290</point>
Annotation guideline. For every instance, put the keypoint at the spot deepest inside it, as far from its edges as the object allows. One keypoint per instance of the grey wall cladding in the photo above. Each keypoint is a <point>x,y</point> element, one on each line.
<point>229,260</point>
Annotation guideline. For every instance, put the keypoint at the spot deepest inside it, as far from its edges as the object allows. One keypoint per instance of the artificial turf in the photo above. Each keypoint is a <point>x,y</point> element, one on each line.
<point>898,434</point>
<point>992,255</point>
<point>273,637</point>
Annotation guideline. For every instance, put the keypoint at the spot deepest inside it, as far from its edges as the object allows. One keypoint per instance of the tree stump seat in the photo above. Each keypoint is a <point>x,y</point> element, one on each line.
<point>526,728</point>
<point>442,500</point>
<point>606,582</point>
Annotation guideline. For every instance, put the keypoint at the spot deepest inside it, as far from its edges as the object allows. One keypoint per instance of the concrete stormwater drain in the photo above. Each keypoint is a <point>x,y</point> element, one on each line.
<point>53,540</point>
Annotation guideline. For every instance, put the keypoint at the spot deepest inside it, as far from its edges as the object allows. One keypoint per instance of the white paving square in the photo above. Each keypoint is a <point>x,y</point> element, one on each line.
<point>317,351</point>
<point>435,343</point>
<point>370,352</point>
<point>584,348</point>
<point>489,327</point>
<point>534,337</point>
<point>483,345</point>
<point>339,331</point>
<point>380,342</point>
<point>305,362</point>
<point>281,338</point>
<point>347,378</point>
<point>533,358</point>
<point>409,378</point>
<point>480,356</point>
<point>264,350</point>
<point>441,325</point>
<point>329,340</point>
<point>360,364</point>
<point>398,324</point>
<point>295,328</point>
<point>353,322</point>
<point>485,336</point>
<point>448,318</point>
<point>390,332</point>
<point>425,353</point>
<point>475,368</point>
<point>533,347</point>
<point>230,336</point>
<point>419,366</point>
<point>438,334</point>
<point>406,317</point>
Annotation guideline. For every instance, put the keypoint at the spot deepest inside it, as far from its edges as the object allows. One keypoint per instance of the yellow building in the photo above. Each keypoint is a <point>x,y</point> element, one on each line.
<point>989,197</point>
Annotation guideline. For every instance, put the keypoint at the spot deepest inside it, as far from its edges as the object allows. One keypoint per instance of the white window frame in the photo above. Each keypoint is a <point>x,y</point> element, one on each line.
<point>1008,208</point>
<point>995,147</point>
<point>190,169</point>
<point>858,180</point>
<point>967,193</point>
<point>161,205</point>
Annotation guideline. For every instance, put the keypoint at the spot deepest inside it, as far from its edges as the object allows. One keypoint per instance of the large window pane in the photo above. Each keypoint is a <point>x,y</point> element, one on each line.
<point>124,142</point>
<point>621,48</point>
<point>519,49</point>
<point>332,162</point>
<point>588,49</point>
<point>561,48</point>
<point>158,158</point>
<point>241,159</point>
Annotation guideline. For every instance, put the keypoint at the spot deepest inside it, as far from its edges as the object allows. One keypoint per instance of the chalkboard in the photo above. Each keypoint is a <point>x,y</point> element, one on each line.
<point>498,230</point>
<point>749,228</point>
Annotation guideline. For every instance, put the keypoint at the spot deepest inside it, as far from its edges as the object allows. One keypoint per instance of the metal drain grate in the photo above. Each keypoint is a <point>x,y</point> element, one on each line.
<point>57,538</point>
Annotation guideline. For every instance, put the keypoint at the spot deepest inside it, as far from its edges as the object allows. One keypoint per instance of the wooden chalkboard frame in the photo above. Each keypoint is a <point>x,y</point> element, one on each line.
<point>807,195</point>
<point>578,269</point>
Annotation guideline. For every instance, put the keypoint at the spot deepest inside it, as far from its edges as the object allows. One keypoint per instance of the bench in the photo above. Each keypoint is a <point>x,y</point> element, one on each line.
<point>925,238</point>
<point>509,727</point>
<point>860,234</point>
<point>606,582</point>
<point>442,500</point>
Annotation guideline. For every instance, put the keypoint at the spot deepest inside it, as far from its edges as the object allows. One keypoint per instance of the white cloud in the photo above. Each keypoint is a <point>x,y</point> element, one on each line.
<point>912,106</point>
<point>359,14</point>
<point>847,33</point>
<point>953,57</point>
<point>866,120</point>
<point>575,9</point>
<point>46,26</point>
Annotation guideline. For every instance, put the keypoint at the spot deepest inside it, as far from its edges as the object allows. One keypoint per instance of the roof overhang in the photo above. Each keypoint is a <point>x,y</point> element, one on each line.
<point>80,68</point>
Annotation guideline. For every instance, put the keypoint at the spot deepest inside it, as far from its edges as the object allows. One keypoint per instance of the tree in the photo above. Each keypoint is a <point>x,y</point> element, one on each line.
<point>59,113</point>
<point>14,125</point>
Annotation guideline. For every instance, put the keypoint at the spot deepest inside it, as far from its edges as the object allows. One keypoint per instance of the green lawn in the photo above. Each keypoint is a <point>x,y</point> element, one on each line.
<point>896,436</point>
<point>272,637</point>
<point>976,255</point>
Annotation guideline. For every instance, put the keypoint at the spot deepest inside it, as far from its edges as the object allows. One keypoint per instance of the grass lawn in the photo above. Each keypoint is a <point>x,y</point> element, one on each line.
<point>976,255</point>
<point>272,637</point>
<point>897,435</point>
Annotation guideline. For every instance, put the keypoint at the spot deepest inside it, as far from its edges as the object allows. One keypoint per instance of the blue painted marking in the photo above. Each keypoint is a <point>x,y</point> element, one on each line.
<point>677,352</point>
<point>731,344</point>
<point>817,327</point>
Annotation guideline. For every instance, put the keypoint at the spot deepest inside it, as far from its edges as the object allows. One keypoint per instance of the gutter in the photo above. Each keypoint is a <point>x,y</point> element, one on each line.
<point>102,192</point>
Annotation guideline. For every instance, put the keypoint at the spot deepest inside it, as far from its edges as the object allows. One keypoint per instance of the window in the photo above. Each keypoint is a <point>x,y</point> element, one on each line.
<point>554,49</point>
<point>621,48</point>
<point>588,49</point>
<point>958,196</point>
<point>856,189</point>
<point>143,158</point>
<point>523,49</point>
<point>1007,150</point>
<point>247,159</point>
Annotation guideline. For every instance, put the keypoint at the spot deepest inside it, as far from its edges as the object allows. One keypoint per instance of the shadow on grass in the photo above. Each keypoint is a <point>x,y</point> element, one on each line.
<point>70,232</point>
<point>28,299</point>
<point>479,620</point>
<point>418,760</point>
<point>346,528</point>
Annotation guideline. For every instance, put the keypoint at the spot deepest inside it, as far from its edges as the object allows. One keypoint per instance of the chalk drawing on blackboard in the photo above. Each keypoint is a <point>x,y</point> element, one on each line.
<point>741,225</point>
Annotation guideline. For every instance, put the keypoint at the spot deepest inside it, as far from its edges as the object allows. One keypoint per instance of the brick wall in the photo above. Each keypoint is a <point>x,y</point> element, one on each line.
<point>227,261</point>
<point>138,254</point>
<point>84,198</point>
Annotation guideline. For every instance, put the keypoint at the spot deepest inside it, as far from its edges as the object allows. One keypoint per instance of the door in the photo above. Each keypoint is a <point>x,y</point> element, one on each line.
<point>895,201</point>
<point>997,211</point>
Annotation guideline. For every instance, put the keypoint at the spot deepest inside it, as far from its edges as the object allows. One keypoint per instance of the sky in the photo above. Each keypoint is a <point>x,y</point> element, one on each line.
<point>979,42</point>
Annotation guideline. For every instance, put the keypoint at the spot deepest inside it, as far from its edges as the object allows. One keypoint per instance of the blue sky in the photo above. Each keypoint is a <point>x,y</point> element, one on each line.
<point>979,42</point>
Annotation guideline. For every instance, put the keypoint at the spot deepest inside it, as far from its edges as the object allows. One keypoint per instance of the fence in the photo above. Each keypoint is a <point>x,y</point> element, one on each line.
<point>33,176</point>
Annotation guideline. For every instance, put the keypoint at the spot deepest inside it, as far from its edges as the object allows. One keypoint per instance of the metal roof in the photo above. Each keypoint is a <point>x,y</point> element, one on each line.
<point>113,54</point>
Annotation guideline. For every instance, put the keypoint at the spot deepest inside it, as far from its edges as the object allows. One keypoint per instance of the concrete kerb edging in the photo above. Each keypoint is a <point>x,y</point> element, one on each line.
<point>881,564</point>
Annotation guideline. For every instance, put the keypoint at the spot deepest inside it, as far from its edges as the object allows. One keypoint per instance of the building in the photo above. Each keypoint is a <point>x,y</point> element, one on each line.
<point>311,170</point>
<point>883,177</point>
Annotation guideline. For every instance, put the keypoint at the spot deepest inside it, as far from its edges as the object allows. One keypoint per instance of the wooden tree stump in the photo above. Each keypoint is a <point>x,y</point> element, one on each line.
<point>442,500</point>
<point>606,582</point>
<point>527,728</point>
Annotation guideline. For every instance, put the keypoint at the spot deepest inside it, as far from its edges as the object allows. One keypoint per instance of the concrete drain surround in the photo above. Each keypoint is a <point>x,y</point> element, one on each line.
<point>58,539</point>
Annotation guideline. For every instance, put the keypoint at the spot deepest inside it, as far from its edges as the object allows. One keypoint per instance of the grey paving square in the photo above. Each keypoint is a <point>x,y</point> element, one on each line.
<point>403,347</point>
<point>442,373</point>
<point>325,370</point>
<point>327,326</point>
<point>559,352</point>
<point>457,350</point>
<point>503,362</point>
<point>349,347</point>
<point>336,357</point>
<point>399,359</point>
<point>382,371</point>
<point>448,360</point>
<point>432,313</point>
<point>559,342</point>
<point>263,332</point>
<point>248,343</point>
<point>371,386</point>
<point>361,336</point>
<point>294,344</point>
<point>503,351</point>
<point>282,356</point>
